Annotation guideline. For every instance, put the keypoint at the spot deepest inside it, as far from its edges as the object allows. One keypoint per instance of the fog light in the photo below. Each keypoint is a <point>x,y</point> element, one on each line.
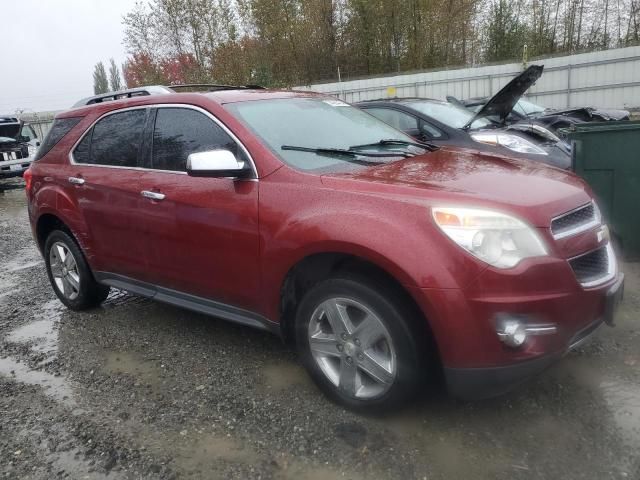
<point>512,332</point>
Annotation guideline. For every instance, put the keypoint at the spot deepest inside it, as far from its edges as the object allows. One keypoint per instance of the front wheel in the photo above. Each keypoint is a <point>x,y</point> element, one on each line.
<point>69,273</point>
<point>357,341</point>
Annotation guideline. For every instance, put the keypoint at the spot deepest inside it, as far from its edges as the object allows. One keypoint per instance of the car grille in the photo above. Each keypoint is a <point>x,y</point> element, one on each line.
<point>11,155</point>
<point>594,267</point>
<point>575,221</point>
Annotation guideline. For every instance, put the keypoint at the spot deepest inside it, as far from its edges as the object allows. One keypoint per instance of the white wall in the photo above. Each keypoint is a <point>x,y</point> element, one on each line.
<point>610,78</point>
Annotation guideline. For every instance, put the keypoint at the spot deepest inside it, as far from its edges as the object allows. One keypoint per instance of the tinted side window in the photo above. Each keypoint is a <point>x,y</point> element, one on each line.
<point>395,118</point>
<point>82,151</point>
<point>116,139</point>
<point>179,132</point>
<point>58,130</point>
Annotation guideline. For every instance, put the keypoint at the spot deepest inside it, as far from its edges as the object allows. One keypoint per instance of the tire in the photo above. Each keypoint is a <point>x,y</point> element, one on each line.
<point>379,354</point>
<point>71,278</point>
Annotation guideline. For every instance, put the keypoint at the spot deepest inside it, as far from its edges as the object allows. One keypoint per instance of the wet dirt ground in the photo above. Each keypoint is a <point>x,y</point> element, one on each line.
<point>138,389</point>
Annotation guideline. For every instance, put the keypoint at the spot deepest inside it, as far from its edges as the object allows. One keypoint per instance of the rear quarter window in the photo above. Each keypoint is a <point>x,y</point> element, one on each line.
<point>60,127</point>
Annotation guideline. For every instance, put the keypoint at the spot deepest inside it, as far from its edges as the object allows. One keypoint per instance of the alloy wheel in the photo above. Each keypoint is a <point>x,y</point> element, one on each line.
<point>353,348</point>
<point>64,270</point>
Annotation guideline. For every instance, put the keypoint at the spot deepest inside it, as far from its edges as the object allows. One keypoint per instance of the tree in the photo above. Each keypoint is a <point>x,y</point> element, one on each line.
<point>100,82</point>
<point>114,76</point>
<point>295,42</point>
<point>504,33</point>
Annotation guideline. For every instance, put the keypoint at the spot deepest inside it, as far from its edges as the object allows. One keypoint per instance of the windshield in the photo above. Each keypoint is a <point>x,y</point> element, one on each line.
<point>314,123</point>
<point>528,108</point>
<point>449,114</point>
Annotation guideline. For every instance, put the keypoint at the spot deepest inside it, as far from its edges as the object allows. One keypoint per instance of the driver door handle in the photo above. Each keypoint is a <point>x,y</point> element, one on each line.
<point>152,195</point>
<point>76,180</point>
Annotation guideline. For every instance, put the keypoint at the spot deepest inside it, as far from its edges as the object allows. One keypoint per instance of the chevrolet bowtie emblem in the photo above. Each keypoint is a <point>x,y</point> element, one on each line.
<point>603,234</point>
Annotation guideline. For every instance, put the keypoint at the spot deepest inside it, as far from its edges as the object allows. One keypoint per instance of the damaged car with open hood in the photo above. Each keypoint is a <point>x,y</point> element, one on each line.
<point>446,123</point>
<point>18,144</point>
<point>527,112</point>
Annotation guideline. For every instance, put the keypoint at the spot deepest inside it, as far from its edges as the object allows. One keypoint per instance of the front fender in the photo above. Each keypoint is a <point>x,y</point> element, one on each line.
<point>394,234</point>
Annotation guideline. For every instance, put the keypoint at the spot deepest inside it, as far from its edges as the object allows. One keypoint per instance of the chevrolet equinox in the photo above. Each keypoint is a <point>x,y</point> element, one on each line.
<point>381,259</point>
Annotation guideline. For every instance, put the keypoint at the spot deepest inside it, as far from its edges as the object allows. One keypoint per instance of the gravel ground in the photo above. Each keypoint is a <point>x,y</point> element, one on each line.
<point>137,389</point>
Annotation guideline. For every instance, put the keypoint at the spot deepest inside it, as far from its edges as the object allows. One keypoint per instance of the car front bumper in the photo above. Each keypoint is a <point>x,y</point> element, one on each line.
<point>476,363</point>
<point>14,168</point>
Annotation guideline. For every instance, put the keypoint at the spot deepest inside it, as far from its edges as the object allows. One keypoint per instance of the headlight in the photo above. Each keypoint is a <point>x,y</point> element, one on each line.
<point>512,142</point>
<point>495,238</point>
<point>32,150</point>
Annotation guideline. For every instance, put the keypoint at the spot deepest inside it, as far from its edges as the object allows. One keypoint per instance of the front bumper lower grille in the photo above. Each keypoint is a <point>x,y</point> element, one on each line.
<point>595,267</point>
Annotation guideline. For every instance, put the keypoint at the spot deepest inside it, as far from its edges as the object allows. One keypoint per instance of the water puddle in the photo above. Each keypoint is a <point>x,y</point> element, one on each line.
<point>42,333</point>
<point>57,388</point>
<point>42,336</point>
<point>623,399</point>
<point>297,470</point>
<point>282,375</point>
<point>127,363</point>
<point>206,453</point>
<point>70,463</point>
<point>23,259</point>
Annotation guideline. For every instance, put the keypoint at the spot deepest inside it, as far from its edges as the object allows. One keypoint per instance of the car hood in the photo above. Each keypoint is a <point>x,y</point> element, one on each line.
<point>502,103</point>
<point>471,178</point>
<point>11,131</point>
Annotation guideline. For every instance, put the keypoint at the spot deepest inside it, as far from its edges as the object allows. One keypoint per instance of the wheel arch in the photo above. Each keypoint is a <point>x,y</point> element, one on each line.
<point>317,267</point>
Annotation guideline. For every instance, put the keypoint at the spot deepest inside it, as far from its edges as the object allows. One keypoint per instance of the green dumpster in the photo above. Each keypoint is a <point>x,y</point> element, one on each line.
<point>607,156</point>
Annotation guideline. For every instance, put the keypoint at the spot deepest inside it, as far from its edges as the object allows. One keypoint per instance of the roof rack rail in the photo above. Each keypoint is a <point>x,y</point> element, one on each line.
<point>159,90</point>
<point>131,92</point>
<point>215,86</point>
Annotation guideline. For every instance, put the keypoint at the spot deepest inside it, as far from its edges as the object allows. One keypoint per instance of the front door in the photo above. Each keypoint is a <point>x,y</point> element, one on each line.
<point>201,233</point>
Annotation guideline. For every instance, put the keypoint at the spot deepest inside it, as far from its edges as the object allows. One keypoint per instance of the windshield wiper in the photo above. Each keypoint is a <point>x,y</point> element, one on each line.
<point>345,152</point>
<point>392,141</point>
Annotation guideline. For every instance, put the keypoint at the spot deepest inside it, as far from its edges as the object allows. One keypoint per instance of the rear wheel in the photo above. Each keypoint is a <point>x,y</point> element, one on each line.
<point>357,341</point>
<point>69,273</point>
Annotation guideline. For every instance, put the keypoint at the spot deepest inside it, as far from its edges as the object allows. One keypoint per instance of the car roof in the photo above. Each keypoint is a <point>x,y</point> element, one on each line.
<point>401,100</point>
<point>220,96</point>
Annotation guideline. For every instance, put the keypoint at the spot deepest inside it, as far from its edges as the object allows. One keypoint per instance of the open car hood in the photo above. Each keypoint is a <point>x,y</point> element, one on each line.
<point>501,104</point>
<point>10,131</point>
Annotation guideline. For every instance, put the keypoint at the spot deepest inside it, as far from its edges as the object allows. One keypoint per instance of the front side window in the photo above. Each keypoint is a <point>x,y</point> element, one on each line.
<point>313,122</point>
<point>113,141</point>
<point>180,132</point>
<point>395,118</point>
<point>449,114</point>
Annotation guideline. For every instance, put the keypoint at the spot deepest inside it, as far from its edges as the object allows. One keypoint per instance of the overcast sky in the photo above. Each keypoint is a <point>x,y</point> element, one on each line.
<point>49,48</point>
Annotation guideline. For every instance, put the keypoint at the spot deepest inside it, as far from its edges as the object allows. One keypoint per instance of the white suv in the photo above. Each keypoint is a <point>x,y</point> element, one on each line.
<point>18,145</point>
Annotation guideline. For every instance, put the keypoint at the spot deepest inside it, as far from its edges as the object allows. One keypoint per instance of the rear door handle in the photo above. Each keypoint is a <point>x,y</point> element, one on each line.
<point>76,180</point>
<point>152,195</point>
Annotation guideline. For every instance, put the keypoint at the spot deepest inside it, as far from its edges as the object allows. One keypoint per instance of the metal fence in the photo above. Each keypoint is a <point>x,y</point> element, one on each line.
<point>609,78</point>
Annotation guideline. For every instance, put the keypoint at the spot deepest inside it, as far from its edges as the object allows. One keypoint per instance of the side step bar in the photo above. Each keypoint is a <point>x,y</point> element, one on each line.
<point>187,301</point>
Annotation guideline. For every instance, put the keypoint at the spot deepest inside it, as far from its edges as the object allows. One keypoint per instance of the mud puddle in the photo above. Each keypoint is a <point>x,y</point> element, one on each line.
<point>57,388</point>
<point>42,336</point>
<point>280,376</point>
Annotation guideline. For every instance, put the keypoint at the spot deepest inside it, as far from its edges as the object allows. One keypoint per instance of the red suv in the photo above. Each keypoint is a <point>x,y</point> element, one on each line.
<point>381,259</point>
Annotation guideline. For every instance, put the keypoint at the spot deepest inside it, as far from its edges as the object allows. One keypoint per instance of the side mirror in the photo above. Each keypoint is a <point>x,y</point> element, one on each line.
<point>216,163</point>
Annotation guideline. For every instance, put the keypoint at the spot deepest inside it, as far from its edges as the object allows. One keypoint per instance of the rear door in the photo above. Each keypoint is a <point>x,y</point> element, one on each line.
<point>202,235</point>
<point>105,179</point>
